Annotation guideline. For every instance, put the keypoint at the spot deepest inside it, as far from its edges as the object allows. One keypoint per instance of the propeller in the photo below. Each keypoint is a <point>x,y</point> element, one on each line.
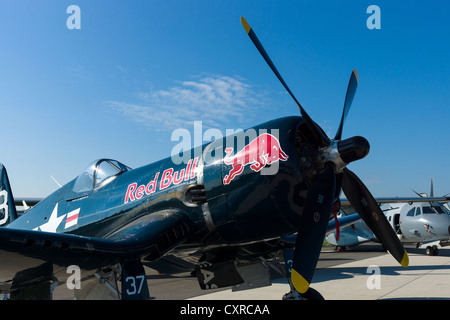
<point>319,136</point>
<point>312,228</point>
<point>366,206</point>
<point>351,90</point>
<point>326,183</point>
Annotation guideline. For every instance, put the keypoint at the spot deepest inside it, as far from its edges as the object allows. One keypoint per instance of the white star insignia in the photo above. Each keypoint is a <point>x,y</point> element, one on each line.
<point>53,222</point>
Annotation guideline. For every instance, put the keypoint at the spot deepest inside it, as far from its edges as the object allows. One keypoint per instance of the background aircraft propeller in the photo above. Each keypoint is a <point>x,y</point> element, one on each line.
<point>326,185</point>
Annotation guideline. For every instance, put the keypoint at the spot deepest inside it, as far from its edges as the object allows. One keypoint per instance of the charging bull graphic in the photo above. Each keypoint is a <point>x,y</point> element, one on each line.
<point>261,151</point>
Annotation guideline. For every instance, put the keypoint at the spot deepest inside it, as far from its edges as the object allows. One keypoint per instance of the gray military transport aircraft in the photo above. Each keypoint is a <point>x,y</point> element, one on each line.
<point>422,220</point>
<point>111,218</point>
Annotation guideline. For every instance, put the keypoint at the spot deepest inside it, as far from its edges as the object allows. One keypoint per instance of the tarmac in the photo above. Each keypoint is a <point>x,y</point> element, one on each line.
<point>363,273</point>
<point>374,278</point>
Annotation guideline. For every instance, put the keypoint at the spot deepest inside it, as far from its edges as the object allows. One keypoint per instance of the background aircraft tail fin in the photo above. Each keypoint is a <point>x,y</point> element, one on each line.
<point>7,208</point>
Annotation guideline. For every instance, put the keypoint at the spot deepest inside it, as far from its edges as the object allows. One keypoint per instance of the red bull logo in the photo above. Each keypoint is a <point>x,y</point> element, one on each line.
<point>261,151</point>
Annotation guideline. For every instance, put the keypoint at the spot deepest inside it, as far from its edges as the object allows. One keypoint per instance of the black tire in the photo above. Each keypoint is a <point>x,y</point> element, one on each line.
<point>435,251</point>
<point>312,294</point>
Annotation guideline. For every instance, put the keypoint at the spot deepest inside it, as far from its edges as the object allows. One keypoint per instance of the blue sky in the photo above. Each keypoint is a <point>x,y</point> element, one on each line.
<point>137,70</point>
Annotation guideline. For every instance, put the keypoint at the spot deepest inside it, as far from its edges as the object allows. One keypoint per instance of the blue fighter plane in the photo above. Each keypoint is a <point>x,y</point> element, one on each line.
<point>234,204</point>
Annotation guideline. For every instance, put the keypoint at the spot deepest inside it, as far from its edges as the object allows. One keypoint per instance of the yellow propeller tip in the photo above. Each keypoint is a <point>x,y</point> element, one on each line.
<point>356,75</point>
<point>245,25</point>
<point>300,283</point>
<point>405,260</point>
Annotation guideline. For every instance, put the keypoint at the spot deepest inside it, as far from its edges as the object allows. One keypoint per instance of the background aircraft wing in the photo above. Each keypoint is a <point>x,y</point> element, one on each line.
<point>346,203</point>
<point>343,221</point>
<point>28,201</point>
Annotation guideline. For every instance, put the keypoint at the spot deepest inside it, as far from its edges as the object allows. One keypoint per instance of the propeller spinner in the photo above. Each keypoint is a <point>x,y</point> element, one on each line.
<point>335,154</point>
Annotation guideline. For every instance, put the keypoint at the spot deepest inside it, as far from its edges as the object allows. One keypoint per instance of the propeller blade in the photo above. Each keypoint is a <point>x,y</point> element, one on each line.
<point>313,226</point>
<point>366,206</point>
<point>319,136</point>
<point>351,90</point>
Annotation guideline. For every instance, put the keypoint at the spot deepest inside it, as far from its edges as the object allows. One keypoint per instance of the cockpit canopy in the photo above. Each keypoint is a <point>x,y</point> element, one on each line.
<point>432,208</point>
<point>99,173</point>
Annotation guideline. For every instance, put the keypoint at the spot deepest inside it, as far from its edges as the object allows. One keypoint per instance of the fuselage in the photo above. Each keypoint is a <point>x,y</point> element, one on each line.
<point>419,222</point>
<point>257,203</point>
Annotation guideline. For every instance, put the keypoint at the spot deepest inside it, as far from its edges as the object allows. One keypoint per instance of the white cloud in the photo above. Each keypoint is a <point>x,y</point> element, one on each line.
<point>214,100</point>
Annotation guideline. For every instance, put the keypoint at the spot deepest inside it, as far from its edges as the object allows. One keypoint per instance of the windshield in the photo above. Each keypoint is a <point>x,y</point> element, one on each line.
<point>98,173</point>
<point>441,209</point>
<point>435,209</point>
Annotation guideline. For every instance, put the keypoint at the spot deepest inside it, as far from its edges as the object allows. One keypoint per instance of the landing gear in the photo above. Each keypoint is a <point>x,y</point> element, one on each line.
<point>125,281</point>
<point>311,294</point>
<point>432,251</point>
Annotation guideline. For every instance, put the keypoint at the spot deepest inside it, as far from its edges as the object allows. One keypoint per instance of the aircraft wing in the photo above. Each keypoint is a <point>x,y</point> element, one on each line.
<point>346,203</point>
<point>33,256</point>
<point>343,222</point>
<point>28,201</point>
